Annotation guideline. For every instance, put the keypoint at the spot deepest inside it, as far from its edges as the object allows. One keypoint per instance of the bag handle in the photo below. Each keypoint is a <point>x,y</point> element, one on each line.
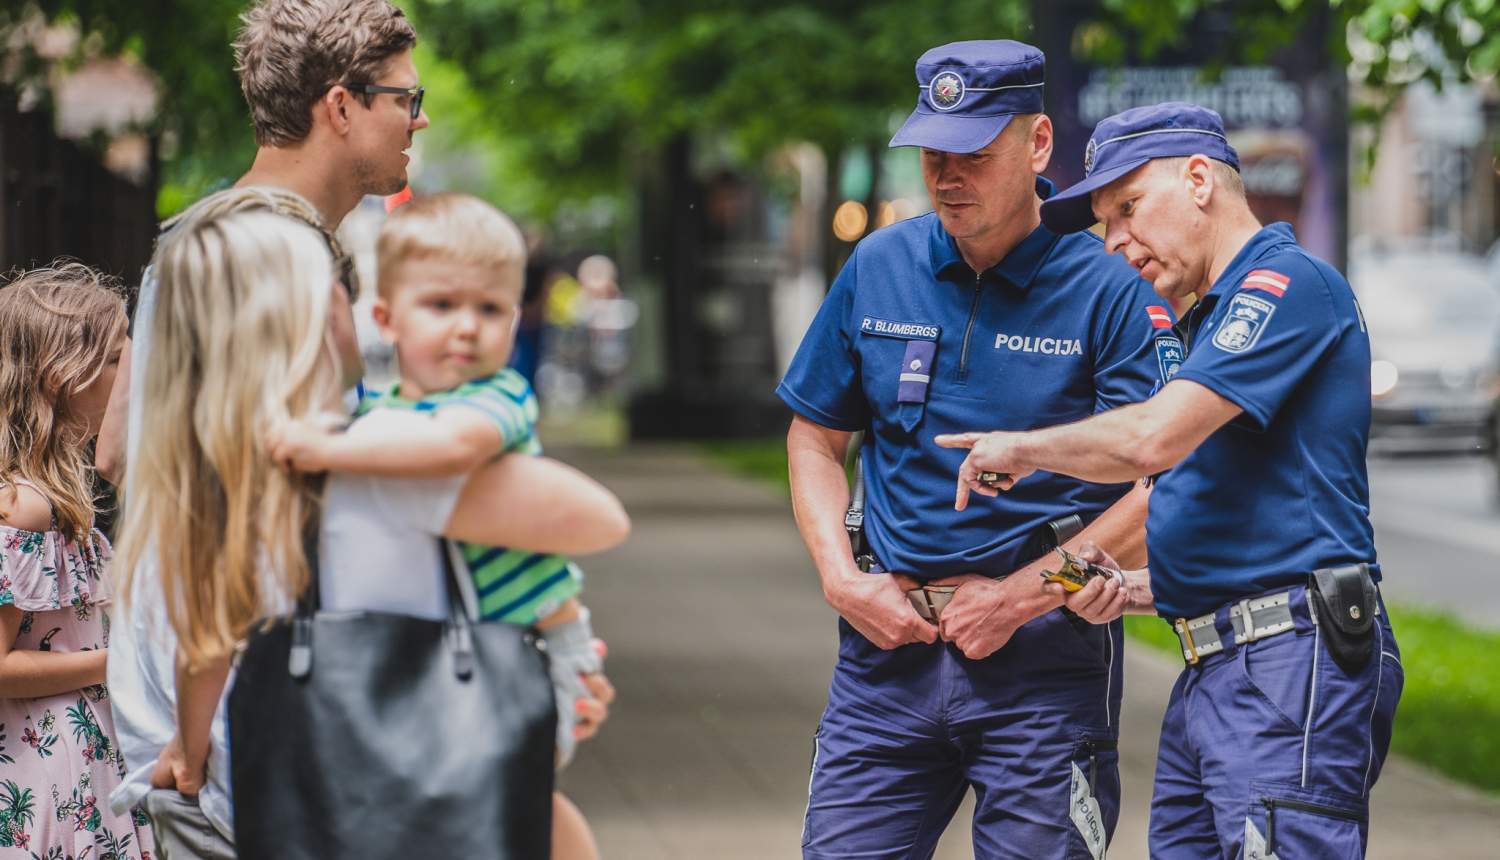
<point>460,635</point>
<point>300,657</point>
<point>299,661</point>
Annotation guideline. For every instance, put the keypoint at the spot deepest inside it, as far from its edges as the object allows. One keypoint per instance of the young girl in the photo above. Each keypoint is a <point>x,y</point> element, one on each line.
<point>61,332</point>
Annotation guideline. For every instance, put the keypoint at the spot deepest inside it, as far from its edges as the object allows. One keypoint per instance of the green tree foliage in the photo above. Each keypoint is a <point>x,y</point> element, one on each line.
<point>1386,44</point>
<point>1393,43</point>
<point>575,84</point>
<point>465,148</point>
<point>568,88</point>
<point>187,44</point>
<point>1261,27</point>
<point>578,83</point>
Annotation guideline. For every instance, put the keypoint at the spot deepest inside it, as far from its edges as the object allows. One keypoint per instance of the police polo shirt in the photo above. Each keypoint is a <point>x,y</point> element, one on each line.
<point>910,343</point>
<point>1281,490</point>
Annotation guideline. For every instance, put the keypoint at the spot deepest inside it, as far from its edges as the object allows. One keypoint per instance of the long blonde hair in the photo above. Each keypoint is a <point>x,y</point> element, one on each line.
<point>57,326</point>
<point>239,339</point>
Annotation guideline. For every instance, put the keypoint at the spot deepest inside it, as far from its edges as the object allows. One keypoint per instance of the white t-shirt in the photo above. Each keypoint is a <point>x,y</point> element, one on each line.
<point>380,550</point>
<point>379,554</point>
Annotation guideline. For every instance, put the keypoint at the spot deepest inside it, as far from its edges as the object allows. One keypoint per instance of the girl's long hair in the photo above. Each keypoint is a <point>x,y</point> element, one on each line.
<point>238,341</point>
<point>57,326</point>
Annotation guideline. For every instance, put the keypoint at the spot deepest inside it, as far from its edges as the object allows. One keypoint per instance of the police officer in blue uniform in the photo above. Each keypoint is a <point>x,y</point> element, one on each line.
<point>1260,547</point>
<point>972,315</point>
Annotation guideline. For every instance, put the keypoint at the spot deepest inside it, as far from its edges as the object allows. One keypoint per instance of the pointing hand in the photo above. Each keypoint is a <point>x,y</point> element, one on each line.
<point>988,452</point>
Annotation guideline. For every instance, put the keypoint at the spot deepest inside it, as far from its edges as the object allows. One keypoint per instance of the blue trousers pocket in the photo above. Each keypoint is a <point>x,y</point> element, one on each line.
<point>1290,821</point>
<point>1094,797</point>
<point>812,770</point>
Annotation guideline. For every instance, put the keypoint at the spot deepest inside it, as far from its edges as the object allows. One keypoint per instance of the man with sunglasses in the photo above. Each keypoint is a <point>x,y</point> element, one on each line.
<point>333,119</point>
<point>334,100</point>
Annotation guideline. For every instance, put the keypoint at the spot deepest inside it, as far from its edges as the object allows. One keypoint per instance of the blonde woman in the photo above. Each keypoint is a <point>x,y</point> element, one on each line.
<point>61,334</point>
<point>212,528</point>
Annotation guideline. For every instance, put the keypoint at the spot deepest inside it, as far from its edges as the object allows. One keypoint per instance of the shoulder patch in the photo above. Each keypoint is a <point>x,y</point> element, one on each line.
<point>1159,316</point>
<point>1168,356</point>
<point>1242,325</point>
<point>1274,283</point>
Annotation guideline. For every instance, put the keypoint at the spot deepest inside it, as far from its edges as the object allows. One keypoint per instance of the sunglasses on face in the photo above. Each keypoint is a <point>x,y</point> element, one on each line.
<point>415,94</point>
<point>348,275</point>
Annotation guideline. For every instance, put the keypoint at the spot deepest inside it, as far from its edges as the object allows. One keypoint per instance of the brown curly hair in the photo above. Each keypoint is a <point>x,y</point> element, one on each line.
<point>57,327</point>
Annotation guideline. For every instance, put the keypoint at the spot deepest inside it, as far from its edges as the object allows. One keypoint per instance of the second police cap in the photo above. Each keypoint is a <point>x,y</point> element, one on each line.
<point>1125,141</point>
<point>968,93</point>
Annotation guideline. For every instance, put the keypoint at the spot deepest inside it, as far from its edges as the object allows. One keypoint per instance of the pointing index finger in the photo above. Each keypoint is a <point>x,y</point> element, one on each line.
<point>961,501</point>
<point>957,440</point>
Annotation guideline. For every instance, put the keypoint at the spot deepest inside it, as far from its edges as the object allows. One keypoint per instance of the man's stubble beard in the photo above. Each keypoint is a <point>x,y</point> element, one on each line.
<point>371,179</point>
<point>1169,284</point>
<point>973,226</point>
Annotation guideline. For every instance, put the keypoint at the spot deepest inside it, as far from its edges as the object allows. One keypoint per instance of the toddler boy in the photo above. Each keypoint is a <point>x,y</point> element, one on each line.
<point>451,273</point>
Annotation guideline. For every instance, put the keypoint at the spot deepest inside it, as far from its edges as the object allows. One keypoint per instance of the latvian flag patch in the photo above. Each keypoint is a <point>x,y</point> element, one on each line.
<point>1274,283</point>
<point>1159,317</point>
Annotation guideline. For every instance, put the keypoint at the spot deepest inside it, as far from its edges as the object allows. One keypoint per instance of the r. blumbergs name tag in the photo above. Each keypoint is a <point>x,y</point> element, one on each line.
<point>903,330</point>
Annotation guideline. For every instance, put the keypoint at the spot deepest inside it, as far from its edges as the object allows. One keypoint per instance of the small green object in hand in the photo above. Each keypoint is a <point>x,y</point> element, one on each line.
<point>1075,572</point>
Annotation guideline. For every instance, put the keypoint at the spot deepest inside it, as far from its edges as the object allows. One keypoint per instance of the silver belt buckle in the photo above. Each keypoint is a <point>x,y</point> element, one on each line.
<point>930,600</point>
<point>1259,618</point>
<point>1247,620</point>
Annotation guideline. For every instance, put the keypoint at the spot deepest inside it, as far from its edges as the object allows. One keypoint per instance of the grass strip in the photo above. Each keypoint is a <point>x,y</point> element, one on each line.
<point>1154,631</point>
<point>761,459</point>
<point>1451,700</point>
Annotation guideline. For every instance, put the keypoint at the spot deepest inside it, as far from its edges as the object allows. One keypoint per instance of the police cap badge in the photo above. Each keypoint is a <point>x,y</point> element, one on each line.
<point>970,91</point>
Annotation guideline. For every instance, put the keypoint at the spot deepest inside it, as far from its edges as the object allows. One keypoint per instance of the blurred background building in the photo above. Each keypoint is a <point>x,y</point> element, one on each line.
<point>1286,113</point>
<point>1424,257</point>
<point>78,172</point>
<point>1434,182</point>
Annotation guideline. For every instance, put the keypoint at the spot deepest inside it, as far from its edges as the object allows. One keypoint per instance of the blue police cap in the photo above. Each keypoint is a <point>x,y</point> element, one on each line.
<point>1127,140</point>
<point>969,92</point>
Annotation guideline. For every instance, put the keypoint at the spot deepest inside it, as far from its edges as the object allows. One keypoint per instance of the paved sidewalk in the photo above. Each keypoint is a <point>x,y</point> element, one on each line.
<point>722,647</point>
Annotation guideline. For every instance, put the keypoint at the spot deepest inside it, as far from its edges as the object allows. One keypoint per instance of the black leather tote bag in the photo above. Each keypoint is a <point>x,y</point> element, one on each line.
<point>364,736</point>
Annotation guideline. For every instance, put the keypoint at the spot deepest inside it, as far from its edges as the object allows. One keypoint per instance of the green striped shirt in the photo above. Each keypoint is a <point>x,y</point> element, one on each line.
<point>514,586</point>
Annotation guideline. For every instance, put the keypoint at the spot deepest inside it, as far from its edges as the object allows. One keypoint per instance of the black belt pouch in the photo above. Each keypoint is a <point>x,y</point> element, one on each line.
<point>1344,601</point>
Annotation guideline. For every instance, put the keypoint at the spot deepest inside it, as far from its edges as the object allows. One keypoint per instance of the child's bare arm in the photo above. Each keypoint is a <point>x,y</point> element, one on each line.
<point>183,764</point>
<point>26,674</point>
<point>395,444</point>
<point>568,611</point>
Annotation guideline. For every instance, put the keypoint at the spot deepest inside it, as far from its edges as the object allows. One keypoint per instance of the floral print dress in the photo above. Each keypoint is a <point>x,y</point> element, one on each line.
<point>58,757</point>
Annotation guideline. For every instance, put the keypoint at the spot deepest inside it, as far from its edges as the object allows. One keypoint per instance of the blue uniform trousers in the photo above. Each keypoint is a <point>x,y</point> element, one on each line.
<point>1033,728</point>
<point>1272,741</point>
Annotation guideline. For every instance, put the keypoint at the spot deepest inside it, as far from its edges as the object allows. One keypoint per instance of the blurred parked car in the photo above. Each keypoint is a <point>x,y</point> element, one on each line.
<point>1433,319</point>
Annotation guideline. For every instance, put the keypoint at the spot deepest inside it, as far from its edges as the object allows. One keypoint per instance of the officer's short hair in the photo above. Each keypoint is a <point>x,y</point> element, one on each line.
<point>1225,175</point>
<point>455,228</point>
<point>291,52</point>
